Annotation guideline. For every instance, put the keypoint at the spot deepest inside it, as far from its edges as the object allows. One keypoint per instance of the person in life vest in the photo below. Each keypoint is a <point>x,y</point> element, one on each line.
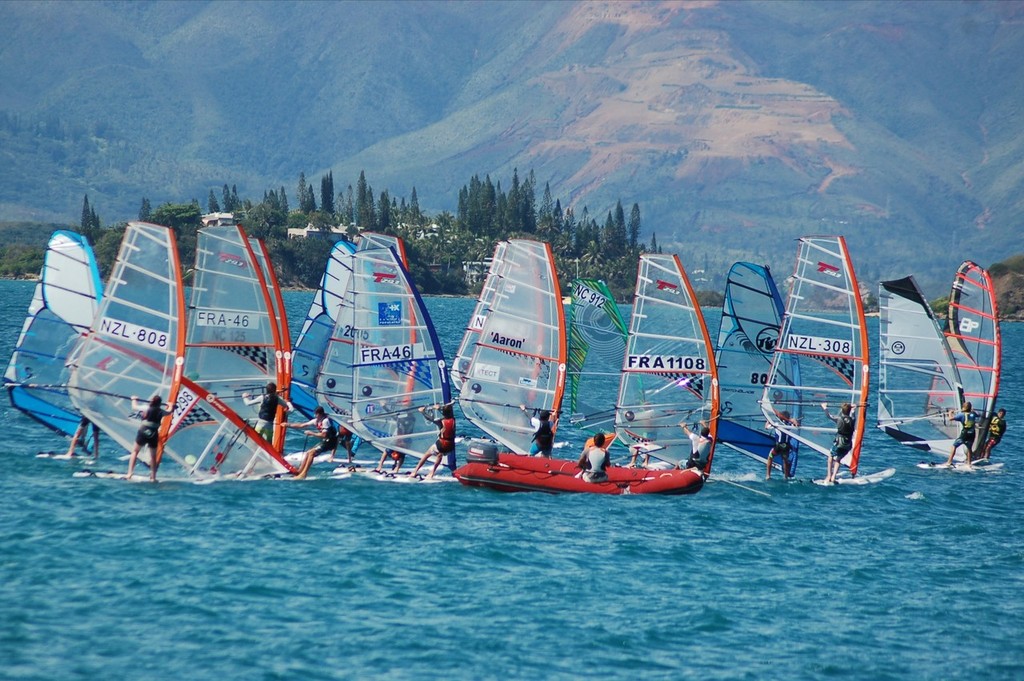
<point>968,419</point>
<point>325,431</point>
<point>271,405</point>
<point>782,447</point>
<point>148,434</point>
<point>843,442</point>
<point>445,442</point>
<point>996,428</point>
<point>595,461</point>
<point>544,433</point>
<point>700,446</point>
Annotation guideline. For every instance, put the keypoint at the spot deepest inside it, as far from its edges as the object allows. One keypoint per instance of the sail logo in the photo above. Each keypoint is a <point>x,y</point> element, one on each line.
<point>232,259</point>
<point>898,348</point>
<point>385,278</point>
<point>389,314</point>
<point>766,339</point>
<point>478,322</point>
<point>830,270</point>
<point>506,341</point>
<point>666,286</point>
<point>489,372</point>
<point>967,325</point>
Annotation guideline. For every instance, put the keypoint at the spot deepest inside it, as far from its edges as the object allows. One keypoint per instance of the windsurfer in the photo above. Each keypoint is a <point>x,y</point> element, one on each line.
<point>271,406</point>
<point>148,434</point>
<point>445,442</point>
<point>782,447</point>
<point>325,431</point>
<point>843,442</point>
<point>83,426</point>
<point>996,428</point>
<point>544,434</point>
<point>968,418</point>
<point>700,446</point>
<point>595,461</point>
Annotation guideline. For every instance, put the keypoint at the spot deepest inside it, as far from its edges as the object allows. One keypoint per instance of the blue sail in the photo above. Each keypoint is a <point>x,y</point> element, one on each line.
<point>751,318</point>
<point>62,309</point>
<point>308,353</point>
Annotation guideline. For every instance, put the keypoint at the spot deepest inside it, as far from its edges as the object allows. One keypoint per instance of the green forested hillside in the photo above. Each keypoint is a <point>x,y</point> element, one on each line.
<point>735,126</point>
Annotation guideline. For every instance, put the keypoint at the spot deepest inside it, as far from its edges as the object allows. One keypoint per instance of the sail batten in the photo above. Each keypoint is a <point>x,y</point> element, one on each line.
<point>834,366</point>
<point>666,378</point>
<point>516,367</point>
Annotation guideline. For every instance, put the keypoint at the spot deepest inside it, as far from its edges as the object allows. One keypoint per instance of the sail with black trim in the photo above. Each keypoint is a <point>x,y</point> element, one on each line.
<point>63,307</point>
<point>668,375</point>
<point>464,354</point>
<point>751,318</point>
<point>397,363</point>
<point>918,382</point>
<point>825,330</point>
<point>597,345</point>
<point>517,368</point>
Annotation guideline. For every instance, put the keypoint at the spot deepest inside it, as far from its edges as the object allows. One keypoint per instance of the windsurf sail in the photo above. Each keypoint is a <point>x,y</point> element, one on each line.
<point>63,307</point>
<point>751,319</point>
<point>972,331</point>
<point>134,348</point>
<point>918,382</point>
<point>519,359</point>
<point>824,328</point>
<point>311,346</point>
<point>283,338</point>
<point>397,363</point>
<point>597,345</point>
<point>371,240</point>
<point>669,375</point>
<point>233,336</point>
<point>463,356</point>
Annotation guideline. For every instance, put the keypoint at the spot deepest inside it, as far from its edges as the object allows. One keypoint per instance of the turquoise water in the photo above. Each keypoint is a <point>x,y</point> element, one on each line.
<point>917,577</point>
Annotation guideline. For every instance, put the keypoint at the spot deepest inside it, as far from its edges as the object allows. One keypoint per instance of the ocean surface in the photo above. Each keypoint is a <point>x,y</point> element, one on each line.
<point>920,576</point>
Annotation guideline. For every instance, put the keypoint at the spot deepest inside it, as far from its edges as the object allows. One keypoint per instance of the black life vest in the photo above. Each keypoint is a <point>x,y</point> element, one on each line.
<point>544,437</point>
<point>268,408</point>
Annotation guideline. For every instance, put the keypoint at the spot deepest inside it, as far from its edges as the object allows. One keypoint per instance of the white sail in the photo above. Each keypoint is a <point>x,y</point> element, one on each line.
<point>134,347</point>
<point>918,382</point>
<point>463,356</point>
<point>972,331</point>
<point>232,339</point>
<point>824,328</point>
<point>519,360</point>
<point>669,374</point>
<point>397,363</point>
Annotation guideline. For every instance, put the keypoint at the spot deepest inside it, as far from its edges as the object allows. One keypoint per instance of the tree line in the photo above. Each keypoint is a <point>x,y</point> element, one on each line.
<point>437,245</point>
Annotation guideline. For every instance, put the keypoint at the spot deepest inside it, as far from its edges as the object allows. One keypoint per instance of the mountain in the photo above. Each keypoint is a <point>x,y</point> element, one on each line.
<point>736,126</point>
